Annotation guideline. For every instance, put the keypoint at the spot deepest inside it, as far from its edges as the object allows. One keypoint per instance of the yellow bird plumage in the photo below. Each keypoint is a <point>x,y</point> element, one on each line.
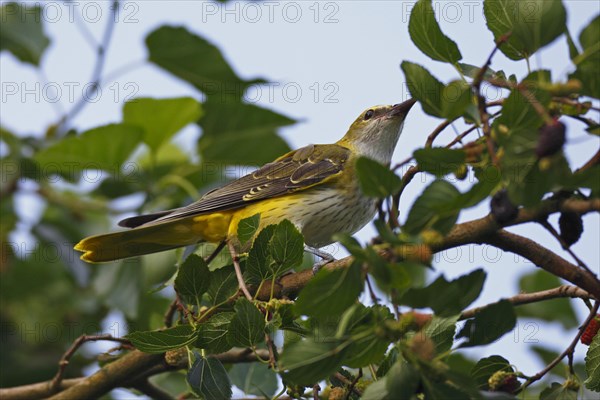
<point>315,187</point>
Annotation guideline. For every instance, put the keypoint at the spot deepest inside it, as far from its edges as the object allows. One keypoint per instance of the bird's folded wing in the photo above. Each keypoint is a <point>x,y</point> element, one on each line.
<point>297,170</point>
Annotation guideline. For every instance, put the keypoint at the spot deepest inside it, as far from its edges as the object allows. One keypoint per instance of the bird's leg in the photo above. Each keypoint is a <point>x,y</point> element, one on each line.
<point>326,258</point>
<point>238,270</point>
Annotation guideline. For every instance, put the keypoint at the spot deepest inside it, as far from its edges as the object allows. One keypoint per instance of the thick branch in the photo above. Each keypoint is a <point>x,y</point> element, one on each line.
<point>545,259</point>
<point>136,365</point>
<point>468,232</point>
<point>128,371</point>
<point>111,376</point>
<point>465,233</point>
<point>36,390</point>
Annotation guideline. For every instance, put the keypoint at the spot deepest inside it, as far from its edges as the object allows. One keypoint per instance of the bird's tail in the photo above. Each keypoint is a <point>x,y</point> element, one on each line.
<point>154,237</point>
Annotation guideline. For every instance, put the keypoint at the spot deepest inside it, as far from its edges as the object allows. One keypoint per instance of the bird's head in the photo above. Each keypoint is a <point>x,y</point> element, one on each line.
<point>375,132</point>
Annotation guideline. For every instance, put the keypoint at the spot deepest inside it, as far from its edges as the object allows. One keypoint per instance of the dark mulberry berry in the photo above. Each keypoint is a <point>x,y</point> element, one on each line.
<point>502,208</point>
<point>571,227</point>
<point>551,139</point>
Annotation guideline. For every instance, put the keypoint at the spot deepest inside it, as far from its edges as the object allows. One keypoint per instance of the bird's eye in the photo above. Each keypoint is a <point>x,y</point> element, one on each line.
<point>369,114</point>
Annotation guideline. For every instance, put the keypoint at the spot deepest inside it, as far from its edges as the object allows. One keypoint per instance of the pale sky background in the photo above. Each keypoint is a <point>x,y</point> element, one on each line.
<point>343,56</point>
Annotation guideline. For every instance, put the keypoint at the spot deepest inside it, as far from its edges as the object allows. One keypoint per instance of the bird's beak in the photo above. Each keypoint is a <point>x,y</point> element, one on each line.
<point>401,109</point>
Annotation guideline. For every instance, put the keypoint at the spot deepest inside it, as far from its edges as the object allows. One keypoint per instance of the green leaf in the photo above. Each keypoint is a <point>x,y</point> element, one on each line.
<point>403,380</point>
<point>212,334</point>
<point>366,348</point>
<point>287,247</point>
<point>259,261</point>
<point>21,32</point>
<point>556,310</point>
<point>247,328</point>
<point>446,298</point>
<point>592,365</point>
<point>587,62</point>
<point>488,180</point>
<point>105,148</point>
<point>441,331</point>
<point>472,71</point>
<point>423,214</point>
<point>161,118</point>
<point>425,88</point>
<point>247,228</point>
<point>426,34</point>
<point>195,60</point>
<point>532,24</point>
<point>517,110</point>
<point>390,359</point>
<point>193,278</point>
<point>330,292</point>
<point>439,161</point>
<point>489,324</point>
<point>236,133</point>
<point>223,284</point>
<point>456,98</point>
<point>163,340</point>
<point>558,392</point>
<point>442,389</point>
<point>486,367</point>
<point>390,275</point>
<point>377,391</point>
<point>376,180</point>
<point>208,378</point>
<point>307,361</point>
<point>254,378</point>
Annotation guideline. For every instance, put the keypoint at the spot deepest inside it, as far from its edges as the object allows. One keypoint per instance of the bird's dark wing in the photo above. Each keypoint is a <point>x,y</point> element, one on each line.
<point>295,171</point>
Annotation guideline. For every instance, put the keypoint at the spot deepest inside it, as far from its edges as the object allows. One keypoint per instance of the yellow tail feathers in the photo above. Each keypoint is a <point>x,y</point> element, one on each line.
<point>155,237</point>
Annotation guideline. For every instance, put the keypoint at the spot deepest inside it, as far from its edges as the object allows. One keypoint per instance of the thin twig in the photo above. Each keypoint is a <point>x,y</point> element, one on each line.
<point>433,135</point>
<point>170,313</point>
<point>563,244</point>
<point>374,298</point>
<point>580,106</point>
<point>238,270</point>
<point>461,136</point>
<point>102,49</point>
<point>590,163</point>
<point>354,382</point>
<point>64,361</point>
<point>316,389</point>
<point>567,353</point>
<point>481,103</point>
<point>402,163</point>
<point>272,352</point>
<point>83,29</point>
<point>347,382</point>
<point>527,298</point>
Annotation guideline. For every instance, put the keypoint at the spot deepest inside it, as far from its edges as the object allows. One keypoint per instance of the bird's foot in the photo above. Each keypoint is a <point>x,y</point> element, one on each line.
<point>326,258</point>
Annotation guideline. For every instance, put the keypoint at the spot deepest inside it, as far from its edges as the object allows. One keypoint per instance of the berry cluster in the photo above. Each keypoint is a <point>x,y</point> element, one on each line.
<point>591,330</point>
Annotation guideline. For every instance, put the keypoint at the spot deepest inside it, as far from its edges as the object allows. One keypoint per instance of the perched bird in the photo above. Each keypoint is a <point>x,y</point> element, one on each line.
<point>315,187</point>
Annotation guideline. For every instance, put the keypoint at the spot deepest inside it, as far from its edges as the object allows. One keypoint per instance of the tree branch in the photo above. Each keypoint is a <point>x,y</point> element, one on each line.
<point>526,298</point>
<point>64,361</point>
<point>135,365</point>
<point>469,232</point>
<point>545,259</point>
<point>130,370</point>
